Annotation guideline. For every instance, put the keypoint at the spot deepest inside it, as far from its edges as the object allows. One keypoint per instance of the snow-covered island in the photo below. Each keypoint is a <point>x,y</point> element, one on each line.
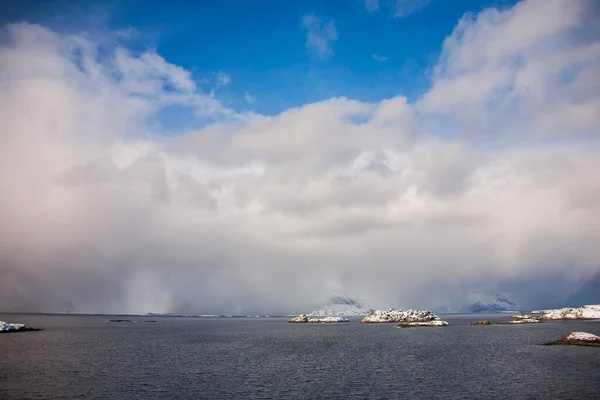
<point>6,327</point>
<point>304,319</point>
<point>581,313</point>
<point>579,339</point>
<point>408,316</point>
<point>422,324</point>
<point>523,319</point>
<point>585,312</point>
<point>523,316</point>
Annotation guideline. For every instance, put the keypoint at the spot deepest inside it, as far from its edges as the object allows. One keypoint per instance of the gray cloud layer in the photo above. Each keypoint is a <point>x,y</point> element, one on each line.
<point>487,183</point>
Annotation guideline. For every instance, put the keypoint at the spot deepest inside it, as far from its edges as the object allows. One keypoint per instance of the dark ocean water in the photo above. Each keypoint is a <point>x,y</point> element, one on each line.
<point>85,357</point>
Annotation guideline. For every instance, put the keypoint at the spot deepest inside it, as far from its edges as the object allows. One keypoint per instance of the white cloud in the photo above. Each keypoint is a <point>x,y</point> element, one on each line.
<point>127,33</point>
<point>488,71</point>
<point>319,35</point>
<point>372,5</point>
<point>270,214</point>
<point>379,58</point>
<point>397,8</point>
<point>249,98</point>
<point>223,79</point>
<point>406,7</point>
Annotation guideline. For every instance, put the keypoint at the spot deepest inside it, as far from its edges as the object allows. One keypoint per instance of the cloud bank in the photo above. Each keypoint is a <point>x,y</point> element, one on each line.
<point>487,183</point>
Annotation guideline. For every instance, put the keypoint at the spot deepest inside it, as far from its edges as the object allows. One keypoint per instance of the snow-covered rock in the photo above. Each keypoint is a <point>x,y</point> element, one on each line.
<point>579,339</point>
<point>328,319</point>
<point>423,324</point>
<point>393,315</point>
<point>523,316</point>
<point>583,336</point>
<point>6,327</point>
<point>585,312</point>
<point>524,321</point>
<point>303,319</point>
<point>299,319</point>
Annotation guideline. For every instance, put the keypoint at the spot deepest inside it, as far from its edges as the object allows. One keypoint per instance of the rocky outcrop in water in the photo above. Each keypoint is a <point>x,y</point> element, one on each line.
<point>519,317</point>
<point>513,322</point>
<point>579,339</point>
<point>523,321</point>
<point>299,319</point>
<point>6,327</point>
<point>394,315</point>
<point>586,312</point>
<point>483,322</point>
<point>423,324</point>
<point>304,319</point>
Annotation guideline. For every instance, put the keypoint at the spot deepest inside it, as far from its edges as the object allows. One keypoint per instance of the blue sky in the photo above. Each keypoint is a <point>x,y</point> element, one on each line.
<point>261,45</point>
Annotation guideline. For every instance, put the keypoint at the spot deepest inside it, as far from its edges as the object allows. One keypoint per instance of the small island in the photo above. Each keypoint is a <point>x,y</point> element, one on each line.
<point>588,312</point>
<point>482,322</point>
<point>591,311</point>
<point>407,319</point>
<point>304,319</point>
<point>524,319</point>
<point>6,327</point>
<point>422,324</point>
<point>513,322</point>
<point>579,339</point>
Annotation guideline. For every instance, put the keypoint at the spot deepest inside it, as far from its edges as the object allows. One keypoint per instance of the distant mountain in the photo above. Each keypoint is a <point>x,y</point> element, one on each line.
<point>341,306</point>
<point>498,304</point>
<point>479,307</point>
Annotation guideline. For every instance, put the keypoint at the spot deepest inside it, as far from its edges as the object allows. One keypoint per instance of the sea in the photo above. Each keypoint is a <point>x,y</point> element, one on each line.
<point>87,357</point>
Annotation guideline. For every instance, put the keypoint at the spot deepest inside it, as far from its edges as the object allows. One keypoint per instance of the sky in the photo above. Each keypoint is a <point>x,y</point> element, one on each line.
<point>243,157</point>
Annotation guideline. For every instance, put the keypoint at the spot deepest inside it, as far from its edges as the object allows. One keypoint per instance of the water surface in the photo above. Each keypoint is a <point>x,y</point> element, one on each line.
<point>267,358</point>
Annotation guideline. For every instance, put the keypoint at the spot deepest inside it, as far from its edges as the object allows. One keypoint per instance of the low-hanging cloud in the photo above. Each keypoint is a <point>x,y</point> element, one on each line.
<point>487,183</point>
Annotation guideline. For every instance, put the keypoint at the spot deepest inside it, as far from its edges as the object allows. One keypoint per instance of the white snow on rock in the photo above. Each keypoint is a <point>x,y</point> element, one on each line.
<point>303,318</point>
<point>426,323</point>
<point>583,336</point>
<point>585,312</point>
<point>393,315</point>
<point>8,327</point>
<point>328,319</point>
<point>523,316</point>
<point>524,321</point>
<point>298,319</point>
